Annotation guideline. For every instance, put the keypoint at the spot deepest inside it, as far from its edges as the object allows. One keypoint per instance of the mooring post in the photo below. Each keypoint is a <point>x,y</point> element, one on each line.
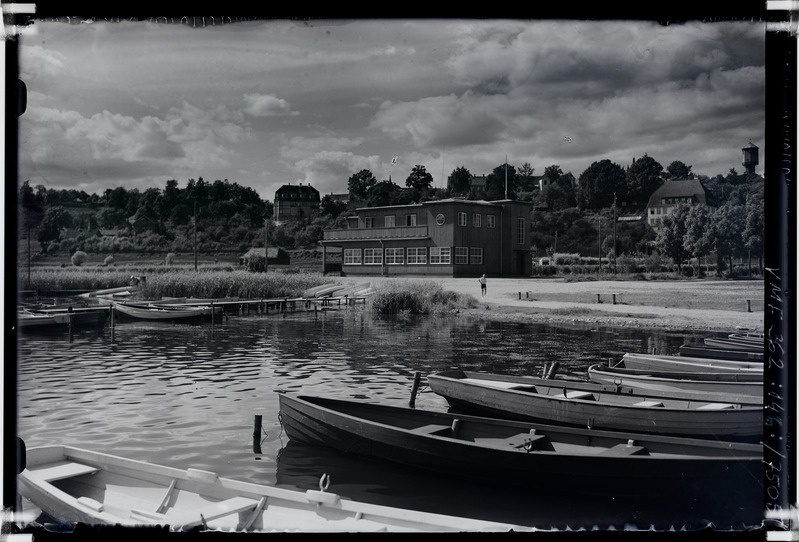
<point>553,370</point>
<point>520,295</point>
<point>748,305</point>
<point>69,322</point>
<point>417,376</point>
<point>256,434</point>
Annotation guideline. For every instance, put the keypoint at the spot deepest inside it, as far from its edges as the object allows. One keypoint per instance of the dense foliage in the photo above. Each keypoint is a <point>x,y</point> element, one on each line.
<point>570,215</point>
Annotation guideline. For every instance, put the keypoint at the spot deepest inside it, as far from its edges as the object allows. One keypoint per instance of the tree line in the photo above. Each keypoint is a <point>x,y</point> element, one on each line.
<point>571,213</point>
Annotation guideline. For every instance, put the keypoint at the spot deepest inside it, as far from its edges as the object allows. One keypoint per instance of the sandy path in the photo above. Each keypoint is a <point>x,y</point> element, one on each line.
<point>557,301</point>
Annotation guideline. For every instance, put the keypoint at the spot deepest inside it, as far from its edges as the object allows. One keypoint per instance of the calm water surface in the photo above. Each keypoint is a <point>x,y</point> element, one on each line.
<point>186,396</point>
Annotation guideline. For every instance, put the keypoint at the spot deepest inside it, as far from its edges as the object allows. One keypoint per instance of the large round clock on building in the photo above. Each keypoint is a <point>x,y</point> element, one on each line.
<point>440,219</point>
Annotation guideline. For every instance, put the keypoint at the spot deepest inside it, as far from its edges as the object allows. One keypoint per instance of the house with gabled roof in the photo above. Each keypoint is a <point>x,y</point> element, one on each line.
<point>672,193</point>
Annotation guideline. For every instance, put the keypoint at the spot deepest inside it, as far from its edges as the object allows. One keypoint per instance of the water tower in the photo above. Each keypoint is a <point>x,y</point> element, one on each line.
<point>750,157</point>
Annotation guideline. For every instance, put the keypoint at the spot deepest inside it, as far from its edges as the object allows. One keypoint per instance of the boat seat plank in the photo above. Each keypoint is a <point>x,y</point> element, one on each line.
<point>63,470</point>
<point>494,383</point>
<point>515,441</point>
<point>187,519</point>
<point>431,428</point>
<point>649,404</point>
<point>716,406</point>
<point>626,449</point>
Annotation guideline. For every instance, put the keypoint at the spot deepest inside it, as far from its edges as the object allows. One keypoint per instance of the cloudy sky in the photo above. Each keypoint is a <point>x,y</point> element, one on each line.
<point>264,103</point>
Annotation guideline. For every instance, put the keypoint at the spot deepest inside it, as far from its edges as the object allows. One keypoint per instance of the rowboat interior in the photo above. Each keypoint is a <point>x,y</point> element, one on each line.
<point>562,392</point>
<point>523,437</point>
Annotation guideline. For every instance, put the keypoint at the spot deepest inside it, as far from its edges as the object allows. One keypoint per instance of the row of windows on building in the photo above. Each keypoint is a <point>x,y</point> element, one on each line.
<point>390,221</point>
<point>413,256</point>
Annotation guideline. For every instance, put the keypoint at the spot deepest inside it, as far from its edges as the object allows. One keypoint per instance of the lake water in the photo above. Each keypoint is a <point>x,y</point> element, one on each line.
<point>186,396</point>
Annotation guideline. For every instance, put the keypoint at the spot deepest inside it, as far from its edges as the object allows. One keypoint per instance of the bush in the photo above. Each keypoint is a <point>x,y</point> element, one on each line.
<point>108,260</point>
<point>79,258</point>
<point>170,258</point>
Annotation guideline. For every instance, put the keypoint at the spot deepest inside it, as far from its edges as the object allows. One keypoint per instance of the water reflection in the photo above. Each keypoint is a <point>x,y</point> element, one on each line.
<point>187,395</point>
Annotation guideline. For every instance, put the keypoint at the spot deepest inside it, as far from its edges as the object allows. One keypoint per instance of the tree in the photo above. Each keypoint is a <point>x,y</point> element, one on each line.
<point>599,182</point>
<point>671,236</point>
<point>360,183</point>
<point>700,234</point>
<point>644,176</point>
<point>419,178</point>
<point>729,222</point>
<point>55,219</point>
<point>383,193</point>
<point>459,181</point>
<point>754,230</point>
<point>678,170</point>
<point>526,180</point>
<point>330,207</point>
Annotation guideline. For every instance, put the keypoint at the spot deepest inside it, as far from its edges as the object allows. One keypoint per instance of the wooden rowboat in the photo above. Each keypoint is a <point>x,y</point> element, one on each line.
<point>559,402</point>
<point>538,457</point>
<point>678,364</point>
<point>734,344</point>
<point>140,312</point>
<point>60,319</point>
<point>690,350</point>
<point>726,387</point>
<point>74,485</point>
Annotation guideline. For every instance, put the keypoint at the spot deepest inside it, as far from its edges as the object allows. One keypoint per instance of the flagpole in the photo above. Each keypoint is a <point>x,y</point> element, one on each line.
<point>506,176</point>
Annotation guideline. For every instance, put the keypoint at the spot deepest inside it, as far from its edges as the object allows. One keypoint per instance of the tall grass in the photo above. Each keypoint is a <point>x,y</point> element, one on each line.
<point>423,297</point>
<point>174,282</point>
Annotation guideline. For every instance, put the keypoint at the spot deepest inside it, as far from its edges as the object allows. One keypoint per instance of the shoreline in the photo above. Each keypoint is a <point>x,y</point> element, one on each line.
<point>693,305</point>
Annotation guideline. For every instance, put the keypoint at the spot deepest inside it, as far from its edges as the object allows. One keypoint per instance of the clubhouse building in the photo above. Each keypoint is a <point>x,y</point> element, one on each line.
<point>451,237</point>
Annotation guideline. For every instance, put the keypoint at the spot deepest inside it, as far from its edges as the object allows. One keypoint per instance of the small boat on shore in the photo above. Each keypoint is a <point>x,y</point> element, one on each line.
<point>167,313</point>
<point>679,364</point>
<point>726,387</point>
<point>75,485</point>
<point>538,457</point>
<point>560,402</point>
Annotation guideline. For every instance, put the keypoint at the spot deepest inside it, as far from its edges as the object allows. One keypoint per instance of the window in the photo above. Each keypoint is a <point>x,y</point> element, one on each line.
<point>477,220</point>
<point>520,230</point>
<point>461,219</point>
<point>389,221</point>
<point>440,255</point>
<point>461,255</point>
<point>651,211</point>
<point>410,220</point>
<point>395,256</point>
<point>416,255</point>
<point>491,221</point>
<point>476,256</point>
<point>352,256</point>
<point>372,256</point>
<point>368,222</point>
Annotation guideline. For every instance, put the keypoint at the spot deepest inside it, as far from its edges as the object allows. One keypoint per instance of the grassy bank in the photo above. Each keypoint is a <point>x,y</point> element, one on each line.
<point>210,281</point>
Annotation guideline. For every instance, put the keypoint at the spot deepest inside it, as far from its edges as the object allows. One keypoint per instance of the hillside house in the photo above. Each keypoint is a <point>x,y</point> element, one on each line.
<point>663,201</point>
<point>295,201</point>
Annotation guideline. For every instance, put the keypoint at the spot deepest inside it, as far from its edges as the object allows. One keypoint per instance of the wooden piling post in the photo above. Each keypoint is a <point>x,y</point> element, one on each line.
<point>256,434</point>
<point>417,376</point>
<point>520,295</point>
<point>748,305</point>
<point>553,370</point>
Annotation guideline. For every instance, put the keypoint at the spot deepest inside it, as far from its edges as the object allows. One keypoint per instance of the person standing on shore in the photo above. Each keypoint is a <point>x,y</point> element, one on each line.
<point>482,281</point>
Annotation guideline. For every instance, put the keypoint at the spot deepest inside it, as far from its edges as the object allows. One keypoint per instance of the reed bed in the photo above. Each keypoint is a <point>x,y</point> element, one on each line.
<point>423,297</point>
<point>175,282</point>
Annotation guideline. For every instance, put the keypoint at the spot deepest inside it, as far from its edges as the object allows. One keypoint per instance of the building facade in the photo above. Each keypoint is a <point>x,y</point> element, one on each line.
<point>452,237</point>
<point>665,199</point>
<point>295,201</point>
